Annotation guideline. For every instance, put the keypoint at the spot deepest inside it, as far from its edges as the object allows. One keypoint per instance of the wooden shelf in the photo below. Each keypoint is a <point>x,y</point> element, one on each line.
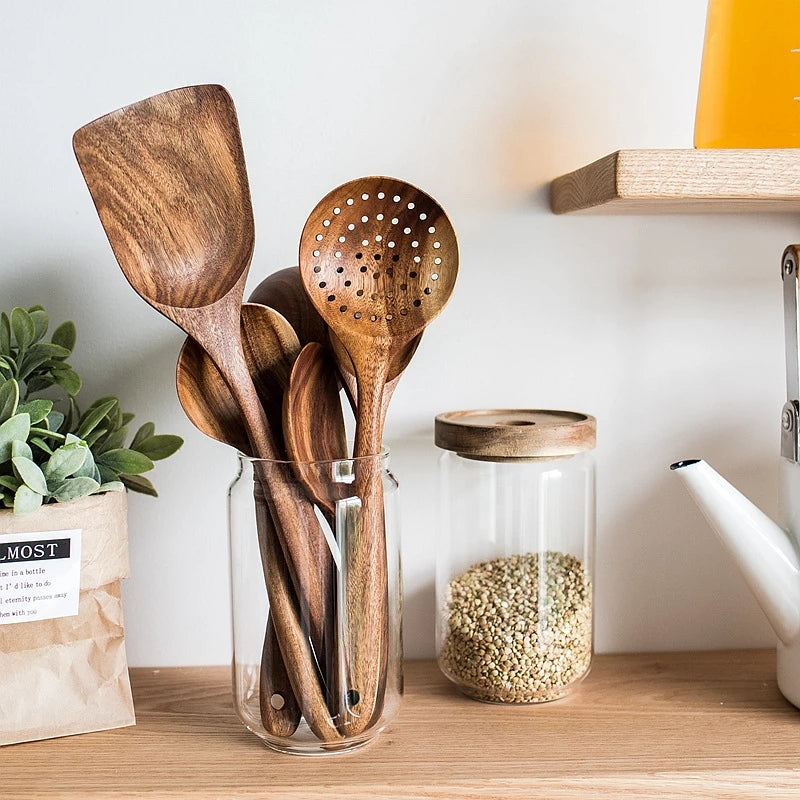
<point>682,181</point>
<point>641,726</point>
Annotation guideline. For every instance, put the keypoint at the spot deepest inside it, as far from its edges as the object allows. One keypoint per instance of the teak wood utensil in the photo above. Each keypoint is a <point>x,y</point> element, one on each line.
<point>168,179</point>
<point>270,347</point>
<point>283,291</point>
<point>313,424</point>
<point>378,259</point>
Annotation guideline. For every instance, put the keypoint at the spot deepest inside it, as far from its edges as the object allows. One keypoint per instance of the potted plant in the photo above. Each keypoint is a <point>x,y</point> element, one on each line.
<point>63,536</point>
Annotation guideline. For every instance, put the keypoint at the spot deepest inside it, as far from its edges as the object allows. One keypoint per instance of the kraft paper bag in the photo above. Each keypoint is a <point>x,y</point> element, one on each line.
<point>66,674</point>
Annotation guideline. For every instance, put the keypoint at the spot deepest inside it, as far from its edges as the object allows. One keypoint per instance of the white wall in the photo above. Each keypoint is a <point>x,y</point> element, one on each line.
<point>668,329</point>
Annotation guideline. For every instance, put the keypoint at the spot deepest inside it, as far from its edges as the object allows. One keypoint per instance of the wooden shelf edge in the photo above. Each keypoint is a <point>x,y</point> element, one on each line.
<point>682,181</point>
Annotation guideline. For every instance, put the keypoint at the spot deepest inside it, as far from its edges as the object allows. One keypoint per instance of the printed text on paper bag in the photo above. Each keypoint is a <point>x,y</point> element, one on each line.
<point>39,575</point>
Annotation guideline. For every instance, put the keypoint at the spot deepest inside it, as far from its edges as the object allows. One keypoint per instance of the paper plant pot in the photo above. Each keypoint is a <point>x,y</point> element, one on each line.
<point>63,668</point>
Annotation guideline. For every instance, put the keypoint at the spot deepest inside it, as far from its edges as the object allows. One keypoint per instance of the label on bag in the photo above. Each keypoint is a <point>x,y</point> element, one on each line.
<point>40,575</point>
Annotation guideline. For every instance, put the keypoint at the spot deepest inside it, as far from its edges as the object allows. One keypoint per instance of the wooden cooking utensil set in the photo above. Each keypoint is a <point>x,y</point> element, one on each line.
<point>378,261</point>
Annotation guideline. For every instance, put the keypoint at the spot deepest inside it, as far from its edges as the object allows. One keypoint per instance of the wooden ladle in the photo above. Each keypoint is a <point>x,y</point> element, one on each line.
<point>168,179</point>
<point>378,259</point>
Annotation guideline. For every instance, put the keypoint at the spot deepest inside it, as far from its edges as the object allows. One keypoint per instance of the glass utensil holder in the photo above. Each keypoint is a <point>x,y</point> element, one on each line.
<point>306,678</point>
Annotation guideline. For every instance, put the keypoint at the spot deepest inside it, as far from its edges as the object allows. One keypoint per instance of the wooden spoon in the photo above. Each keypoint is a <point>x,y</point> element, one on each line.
<point>313,425</point>
<point>283,291</point>
<point>378,259</point>
<point>168,179</point>
<point>270,350</point>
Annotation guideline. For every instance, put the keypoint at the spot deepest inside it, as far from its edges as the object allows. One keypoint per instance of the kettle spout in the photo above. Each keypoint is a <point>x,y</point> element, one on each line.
<point>761,549</point>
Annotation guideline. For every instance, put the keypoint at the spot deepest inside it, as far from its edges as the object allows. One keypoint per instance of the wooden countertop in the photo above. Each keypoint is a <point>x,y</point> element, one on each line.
<point>665,725</point>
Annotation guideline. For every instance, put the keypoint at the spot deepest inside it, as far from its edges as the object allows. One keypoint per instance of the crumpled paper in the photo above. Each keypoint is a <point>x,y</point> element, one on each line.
<point>70,675</point>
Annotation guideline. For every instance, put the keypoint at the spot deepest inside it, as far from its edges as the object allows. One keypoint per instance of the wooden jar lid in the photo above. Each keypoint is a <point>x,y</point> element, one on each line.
<point>498,434</point>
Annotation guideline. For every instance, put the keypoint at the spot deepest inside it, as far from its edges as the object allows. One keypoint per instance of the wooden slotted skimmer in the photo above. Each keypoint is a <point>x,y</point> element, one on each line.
<point>378,260</point>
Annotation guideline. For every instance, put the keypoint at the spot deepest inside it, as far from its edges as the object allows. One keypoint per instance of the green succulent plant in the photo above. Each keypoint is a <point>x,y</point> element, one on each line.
<point>49,455</point>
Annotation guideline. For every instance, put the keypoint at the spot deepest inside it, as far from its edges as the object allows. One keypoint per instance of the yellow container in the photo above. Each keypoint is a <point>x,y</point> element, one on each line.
<point>750,78</point>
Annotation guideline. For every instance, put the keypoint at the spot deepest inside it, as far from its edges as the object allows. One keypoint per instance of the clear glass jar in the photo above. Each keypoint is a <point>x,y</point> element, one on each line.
<point>316,601</point>
<point>514,577</point>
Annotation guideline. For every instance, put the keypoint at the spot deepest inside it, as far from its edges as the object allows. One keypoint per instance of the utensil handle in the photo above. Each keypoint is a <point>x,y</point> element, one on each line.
<point>295,648</point>
<point>280,712</point>
<point>293,515</point>
<point>364,557</point>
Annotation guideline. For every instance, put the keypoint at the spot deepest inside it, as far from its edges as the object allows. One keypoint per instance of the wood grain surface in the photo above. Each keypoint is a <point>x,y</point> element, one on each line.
<point>705,725</point>
<point>682,181</point>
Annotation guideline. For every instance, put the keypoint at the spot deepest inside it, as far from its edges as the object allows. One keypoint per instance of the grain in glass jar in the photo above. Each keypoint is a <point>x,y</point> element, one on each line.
<point>514,578</point>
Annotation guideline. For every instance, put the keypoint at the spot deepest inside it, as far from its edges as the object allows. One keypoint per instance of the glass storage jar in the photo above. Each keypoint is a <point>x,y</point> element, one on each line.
<point>316,601</point>
<point>514,575</point>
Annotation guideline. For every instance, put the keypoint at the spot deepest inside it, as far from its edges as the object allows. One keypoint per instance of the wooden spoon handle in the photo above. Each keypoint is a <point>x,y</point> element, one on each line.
<point>364,556</point>
<point>280,712</point>
<point>295,523</point>
<point>293,642</point>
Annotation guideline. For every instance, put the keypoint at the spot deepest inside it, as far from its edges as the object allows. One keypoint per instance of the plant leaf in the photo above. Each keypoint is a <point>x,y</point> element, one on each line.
<point>9,398</point>
<point>127,418</point>
<point>95,436</point>
<point>113,441</point>
<point>124,460</point>
<point>88,468</point>
<point>41,444</point>
<point>75,488</point>
<point>23,327</point>
<point>26,501</point>
<point>112,486</point>
<point>68,380</point>
<point>65,461</point>
<point>37,410</point>
<point>46,432</point>
<point>16,428</point>
<point>5,334</point>
<point>160,446</point>
<point>11,482</point>
<point>94,415</point>
<point>40,321</point>
<point>145,432</point>
<point>39,383</point>
<point>65,335</point>
<point>30,473</point>
<point>55,419</point>
<point>138,483</point>
<point>38,354</point>
<point>21,450</point>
